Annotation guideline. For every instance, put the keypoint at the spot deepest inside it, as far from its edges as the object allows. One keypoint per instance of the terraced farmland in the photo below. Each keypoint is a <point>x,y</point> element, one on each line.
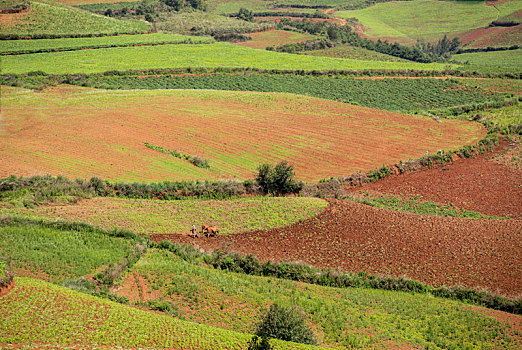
<point>50,19</point>
<point>66,44</point>
<point>340,316</point>
<point>407,21</point>
<point>320,138</point>
<point>183,56</point>
<point>494,60</point>
<point>49,315</point>
<point>167,217</point>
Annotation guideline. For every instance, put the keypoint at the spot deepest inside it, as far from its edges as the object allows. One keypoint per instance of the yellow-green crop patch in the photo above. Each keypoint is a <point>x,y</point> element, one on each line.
<point>342,318</point>
<point>165,217</point>
<point>407,21</point>
<point>494,60</point>
<point>36,313</point>
<point>183,56</point>
<point>50,19</point>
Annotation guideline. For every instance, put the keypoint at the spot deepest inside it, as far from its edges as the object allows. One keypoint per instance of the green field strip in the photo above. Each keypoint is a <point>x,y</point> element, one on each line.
<point>183,56</point>
<point>67,44</point>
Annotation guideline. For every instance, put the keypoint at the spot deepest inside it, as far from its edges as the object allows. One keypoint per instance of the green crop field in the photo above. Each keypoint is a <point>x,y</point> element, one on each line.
<point>294,129</point>
<point>182,56</point>
<point>407,21</point>
<point>36,314</point>
<point>65,44</point>
<point>400,95</point>
<point>49,19</point>
<point>493,60</point>
<point>275,38</point>
<point>206,23</point>
<point>353,52</point>
<point>57,255</point>
<point>342,318</point>
<point>511,86</point>
<point>165,217</point>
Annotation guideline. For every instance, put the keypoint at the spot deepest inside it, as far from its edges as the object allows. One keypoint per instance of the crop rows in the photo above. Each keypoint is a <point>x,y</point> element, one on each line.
<point>342,316</point>
<point>293,129</point>
<point>404,95</point>
<point>42,313</point>
<point>56,255</point>
<point>164,217</point>
<point>66,44</point>
<point>183,56</point>
<point>494,60</point>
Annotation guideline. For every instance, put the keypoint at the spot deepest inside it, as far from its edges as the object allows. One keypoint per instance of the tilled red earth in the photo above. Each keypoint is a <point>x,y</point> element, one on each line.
<point>480,184</point>
<point>355,237</point>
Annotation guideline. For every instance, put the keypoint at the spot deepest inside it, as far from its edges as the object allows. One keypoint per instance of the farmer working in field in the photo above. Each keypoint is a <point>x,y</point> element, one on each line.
<point>194,231</point>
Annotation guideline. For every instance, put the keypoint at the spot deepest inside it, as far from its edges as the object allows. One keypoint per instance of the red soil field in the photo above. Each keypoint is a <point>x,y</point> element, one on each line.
<point>480,184</point>
<point>79,132</point>
<point>355,237</point>
<point>492,36</point>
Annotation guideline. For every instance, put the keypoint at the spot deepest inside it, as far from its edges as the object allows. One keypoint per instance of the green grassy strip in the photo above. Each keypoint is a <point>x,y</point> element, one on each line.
<point>502,60</point>
<point>49,19</point>
<point>11,47</point>
<point>36,312</point>
<point>416,206</point>
<point>183,56</point>
<point>199,162</point>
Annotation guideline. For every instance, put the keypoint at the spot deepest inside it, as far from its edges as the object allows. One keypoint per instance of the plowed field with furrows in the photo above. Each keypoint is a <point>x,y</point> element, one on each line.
<point>80,132</point>
<point>482,184</point>
<point>355,237</point>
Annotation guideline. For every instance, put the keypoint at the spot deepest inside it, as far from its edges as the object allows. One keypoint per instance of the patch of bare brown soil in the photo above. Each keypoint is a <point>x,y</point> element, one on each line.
<point>355,237</point>
<point>7,289</point>
<point>136,288</point>
<point>480,184</point>
<point>492,36</point>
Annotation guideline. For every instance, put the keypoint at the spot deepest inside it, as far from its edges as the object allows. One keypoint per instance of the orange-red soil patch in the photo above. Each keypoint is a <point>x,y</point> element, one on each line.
<point>82,133</point>
<point>355,237</point>
<point>492,36</point>
<point>7,289</point>
<point>8,20</point>
<point>481,184</point>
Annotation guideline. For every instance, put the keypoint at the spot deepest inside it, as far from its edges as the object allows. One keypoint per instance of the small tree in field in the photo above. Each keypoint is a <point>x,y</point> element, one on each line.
<point>278,180</point>
<point>285,324</point>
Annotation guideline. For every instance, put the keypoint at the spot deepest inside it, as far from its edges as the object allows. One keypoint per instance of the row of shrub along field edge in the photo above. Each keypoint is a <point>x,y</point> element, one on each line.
<point>282,270</point>
<point>37,312</point>
<point>211,296</point>
<point>183,56</point>
<point>407,21</point>
<point>234,153</point>
<point>10,47</point>
<point>52,20</point>
<point>404,95</point>
<point>57,255</point>
<point>146,217</point>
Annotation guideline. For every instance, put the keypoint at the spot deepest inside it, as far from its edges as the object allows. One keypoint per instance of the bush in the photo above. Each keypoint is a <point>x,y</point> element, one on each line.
<point>278,180</point>
<point>257,343</point>
<point>285,324</point>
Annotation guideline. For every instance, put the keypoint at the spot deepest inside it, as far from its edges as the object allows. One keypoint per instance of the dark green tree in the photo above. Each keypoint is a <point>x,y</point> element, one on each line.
<point>245,15</point>
<point>278,180</point>
<point>285,324</point>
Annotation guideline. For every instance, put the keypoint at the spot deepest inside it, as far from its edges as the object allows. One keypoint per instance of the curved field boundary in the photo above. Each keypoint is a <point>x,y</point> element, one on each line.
<point>158,216</point>
<point>500,192</point>
<point>355,237</point>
